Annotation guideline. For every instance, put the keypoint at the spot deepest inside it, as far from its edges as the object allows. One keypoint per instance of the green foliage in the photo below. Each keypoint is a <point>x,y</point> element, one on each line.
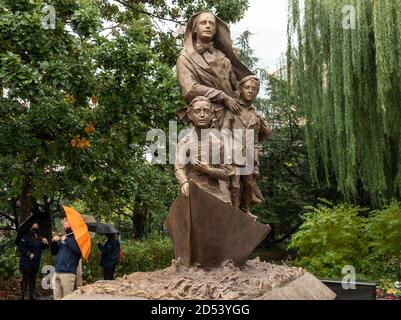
<point>346,83</point>
<point>379,267</point>
<point>148,255</point>
<point>244,51</point>
<point>384,229</point>
<point>105,66</point>
<point>140,256</point>
<point>228,10</point>
<point>9,262</point>
<point>86,21</point>
<point>330,238</point>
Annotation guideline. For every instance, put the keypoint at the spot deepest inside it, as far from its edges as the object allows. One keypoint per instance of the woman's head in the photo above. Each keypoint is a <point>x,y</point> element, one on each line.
<point>35,228</point>
<point>204,26</point>
<point>111,236</point>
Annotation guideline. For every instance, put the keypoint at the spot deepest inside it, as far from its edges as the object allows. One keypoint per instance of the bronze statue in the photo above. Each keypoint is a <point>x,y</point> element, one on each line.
<point>248,119</point>
<point>200,169</point>
<point>208,66</point>
<point>204,225</point>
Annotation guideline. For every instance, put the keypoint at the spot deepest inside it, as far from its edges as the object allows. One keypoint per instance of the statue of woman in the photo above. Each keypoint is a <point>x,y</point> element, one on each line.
<point>208,66</point>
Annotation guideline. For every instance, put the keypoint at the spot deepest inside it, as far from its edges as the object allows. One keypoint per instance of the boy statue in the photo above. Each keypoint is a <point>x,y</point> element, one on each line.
<point>248,119</point>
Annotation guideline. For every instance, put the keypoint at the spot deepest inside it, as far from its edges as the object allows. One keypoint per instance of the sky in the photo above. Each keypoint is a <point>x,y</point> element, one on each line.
<point>267,21</point>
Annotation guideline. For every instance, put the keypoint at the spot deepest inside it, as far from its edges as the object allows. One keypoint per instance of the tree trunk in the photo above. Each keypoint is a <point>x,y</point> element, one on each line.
<point>14,208</point>
<point>25,200</point>
<point>138,220</point>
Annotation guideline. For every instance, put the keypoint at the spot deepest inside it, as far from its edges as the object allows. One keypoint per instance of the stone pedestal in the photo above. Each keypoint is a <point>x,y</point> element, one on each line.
<point>254,281</point>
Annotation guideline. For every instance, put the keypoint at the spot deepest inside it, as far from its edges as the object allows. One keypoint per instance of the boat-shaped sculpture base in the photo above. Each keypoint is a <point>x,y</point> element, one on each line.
<point>207,231</point>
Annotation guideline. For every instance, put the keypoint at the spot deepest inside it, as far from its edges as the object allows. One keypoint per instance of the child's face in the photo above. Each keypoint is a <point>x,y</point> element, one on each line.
<point>249,90</point>
<point>201,114</point>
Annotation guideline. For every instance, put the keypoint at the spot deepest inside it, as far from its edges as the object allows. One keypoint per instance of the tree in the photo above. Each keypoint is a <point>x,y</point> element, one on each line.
<point>46,80</point>
<point>77,100</point>
<point>283,162</point>
<point>346,82</point>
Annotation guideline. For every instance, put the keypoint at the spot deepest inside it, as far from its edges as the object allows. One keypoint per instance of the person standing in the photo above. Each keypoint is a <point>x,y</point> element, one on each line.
<point>68,255</point>
<point>30,247</point>
<point>110,256</point>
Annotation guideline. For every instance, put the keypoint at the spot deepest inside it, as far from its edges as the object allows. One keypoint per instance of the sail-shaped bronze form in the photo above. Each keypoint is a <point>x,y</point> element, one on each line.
<point>207,231</point>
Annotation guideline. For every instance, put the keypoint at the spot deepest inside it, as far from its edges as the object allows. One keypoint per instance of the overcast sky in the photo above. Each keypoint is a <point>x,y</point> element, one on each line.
<point>267,20</point>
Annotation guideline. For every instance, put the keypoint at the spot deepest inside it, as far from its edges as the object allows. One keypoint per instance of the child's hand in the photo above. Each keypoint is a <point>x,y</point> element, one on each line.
<point>233,105</point>
<point>185,189</point>
<point>201,167</point>
<point>256,172</point>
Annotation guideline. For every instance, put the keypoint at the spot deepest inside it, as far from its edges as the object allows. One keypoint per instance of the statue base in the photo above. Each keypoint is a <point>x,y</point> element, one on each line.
<point>256,280</point>
<point>206,231</point>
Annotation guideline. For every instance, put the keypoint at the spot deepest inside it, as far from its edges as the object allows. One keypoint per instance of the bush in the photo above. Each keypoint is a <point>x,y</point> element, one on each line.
<point>148,255</point>
<point>9,263</point>
<point>384,231</point>
<point>140,256</point>
<point>330,238</point>
<point>384,228</point>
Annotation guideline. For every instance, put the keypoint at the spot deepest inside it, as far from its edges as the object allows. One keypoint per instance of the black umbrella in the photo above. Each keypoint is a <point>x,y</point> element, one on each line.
<point>101,228</point>
<point>44,225</point>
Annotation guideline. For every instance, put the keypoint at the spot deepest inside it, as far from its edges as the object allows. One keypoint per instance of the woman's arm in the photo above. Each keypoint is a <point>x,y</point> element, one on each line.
<point>24,247</point>
<point>107,248</point>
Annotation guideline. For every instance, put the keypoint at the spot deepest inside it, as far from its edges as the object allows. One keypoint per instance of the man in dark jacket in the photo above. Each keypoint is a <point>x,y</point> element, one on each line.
<point>30,247</point>
<point>110,256</point>
<point>67,259</point>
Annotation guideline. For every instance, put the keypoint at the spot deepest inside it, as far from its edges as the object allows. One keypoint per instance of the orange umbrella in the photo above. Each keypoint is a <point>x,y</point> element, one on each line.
<point>80,230</point>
